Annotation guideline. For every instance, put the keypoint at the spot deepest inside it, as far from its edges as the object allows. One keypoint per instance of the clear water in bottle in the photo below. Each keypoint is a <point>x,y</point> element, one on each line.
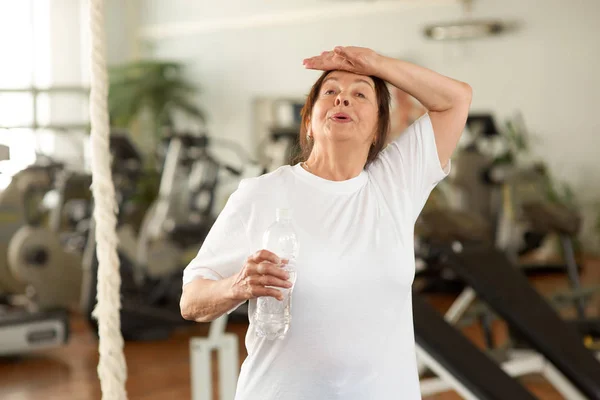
<point>272,317</point>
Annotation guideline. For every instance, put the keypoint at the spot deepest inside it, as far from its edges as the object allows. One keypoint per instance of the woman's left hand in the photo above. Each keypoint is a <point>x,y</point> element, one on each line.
<point>358,60</point>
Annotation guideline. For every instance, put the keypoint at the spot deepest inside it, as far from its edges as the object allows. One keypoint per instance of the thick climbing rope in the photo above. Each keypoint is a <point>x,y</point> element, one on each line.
<point>112,369</point>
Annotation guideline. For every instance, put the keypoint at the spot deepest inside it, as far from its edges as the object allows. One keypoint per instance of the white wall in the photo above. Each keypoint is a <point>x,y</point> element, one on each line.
<point>548,70</point>
<point>121,22</point>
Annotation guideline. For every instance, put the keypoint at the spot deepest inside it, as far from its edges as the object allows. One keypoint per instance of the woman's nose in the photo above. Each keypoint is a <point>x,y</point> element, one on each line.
<point>341,99</point>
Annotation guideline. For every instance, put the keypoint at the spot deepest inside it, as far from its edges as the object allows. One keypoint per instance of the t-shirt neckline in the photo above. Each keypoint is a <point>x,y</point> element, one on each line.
<point>346,186</point>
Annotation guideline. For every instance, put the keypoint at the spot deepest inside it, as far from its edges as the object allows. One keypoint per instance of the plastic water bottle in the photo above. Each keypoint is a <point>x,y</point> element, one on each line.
<point>272,317</point>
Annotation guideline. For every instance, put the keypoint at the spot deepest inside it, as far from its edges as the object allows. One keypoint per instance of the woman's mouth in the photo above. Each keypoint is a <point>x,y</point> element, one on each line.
<point>341,117</point>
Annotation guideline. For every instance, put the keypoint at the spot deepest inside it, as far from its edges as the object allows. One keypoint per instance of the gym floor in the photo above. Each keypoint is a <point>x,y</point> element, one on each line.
<point>160,370</point>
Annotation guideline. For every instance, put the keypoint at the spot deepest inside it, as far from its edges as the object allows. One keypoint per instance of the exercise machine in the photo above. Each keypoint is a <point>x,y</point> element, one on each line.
<point>30,320</point>
<point>496,178</point>
<point>19,206</point>
<point>559,220</point>
<point>44,253</point>
<point>143,314</point>
<point>545,218</point>
<point>556,348</point>
<point>281,147</point>
<point>189,198</point>
<point>457,363</point>
<point>171,233</point>
<point>39,256</point>
<point>508,194</point>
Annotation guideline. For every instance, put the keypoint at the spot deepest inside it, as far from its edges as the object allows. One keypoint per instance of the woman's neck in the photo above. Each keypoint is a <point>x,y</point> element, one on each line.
<point>336,164</point>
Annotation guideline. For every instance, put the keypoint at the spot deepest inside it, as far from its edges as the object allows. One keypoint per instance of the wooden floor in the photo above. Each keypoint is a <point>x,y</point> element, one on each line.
<point>160,370</point>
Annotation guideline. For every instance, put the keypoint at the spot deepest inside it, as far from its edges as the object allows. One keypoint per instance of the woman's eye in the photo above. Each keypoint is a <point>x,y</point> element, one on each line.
<point>330,91</point>
<point>361,95</point>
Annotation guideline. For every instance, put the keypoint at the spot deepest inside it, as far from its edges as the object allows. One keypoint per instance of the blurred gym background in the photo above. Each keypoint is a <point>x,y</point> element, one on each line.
<point>204,94</point>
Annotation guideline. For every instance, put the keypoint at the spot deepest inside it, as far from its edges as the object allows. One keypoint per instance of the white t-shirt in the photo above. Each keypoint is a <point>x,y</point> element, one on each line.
<point>351,335</point>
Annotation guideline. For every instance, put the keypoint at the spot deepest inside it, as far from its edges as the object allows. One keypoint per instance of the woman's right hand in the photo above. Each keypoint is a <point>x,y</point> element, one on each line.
<point>260,276</point>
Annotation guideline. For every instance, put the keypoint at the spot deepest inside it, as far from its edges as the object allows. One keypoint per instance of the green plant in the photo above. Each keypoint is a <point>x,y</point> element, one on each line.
<point>518,144</point>
<point>559,192</point>
<point>156,87</point>
<point>159,90</point>
<point>517,139</point>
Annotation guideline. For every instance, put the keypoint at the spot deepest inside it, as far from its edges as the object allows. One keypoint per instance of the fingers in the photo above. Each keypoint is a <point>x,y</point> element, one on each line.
<point>272,270</point>
<point>313,63</point>
<point>328,60</point>
<point>262,275</point>
<point>323,61</point>
<point>340,50</point>
<point>264,262</point>
<point>319,63</point>
<point>264,255</point>
<point>259,286</point>
<point>266,280</point>
<point>259,291</point>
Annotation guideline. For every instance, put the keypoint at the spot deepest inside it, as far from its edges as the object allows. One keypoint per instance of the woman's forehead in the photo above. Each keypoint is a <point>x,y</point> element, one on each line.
<point>349,77</point>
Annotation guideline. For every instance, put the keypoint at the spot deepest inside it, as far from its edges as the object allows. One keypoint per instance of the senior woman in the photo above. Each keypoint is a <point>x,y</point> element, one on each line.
<point>354,204</point>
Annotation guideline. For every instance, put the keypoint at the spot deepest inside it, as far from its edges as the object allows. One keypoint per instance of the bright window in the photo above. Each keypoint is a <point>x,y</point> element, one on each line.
<point>42,46</point>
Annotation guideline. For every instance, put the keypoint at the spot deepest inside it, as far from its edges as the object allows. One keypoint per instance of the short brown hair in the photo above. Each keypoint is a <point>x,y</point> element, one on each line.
<point>383,118</point>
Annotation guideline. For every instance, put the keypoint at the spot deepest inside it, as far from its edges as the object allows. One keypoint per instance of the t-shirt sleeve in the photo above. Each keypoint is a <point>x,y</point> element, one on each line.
<point>225,248</point>
<point>411,163</point>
